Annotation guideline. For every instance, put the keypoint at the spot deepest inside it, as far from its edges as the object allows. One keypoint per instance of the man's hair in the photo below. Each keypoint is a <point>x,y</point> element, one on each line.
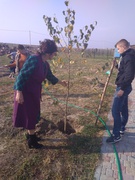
<point>20,46</point>
<point>47,46</point>
<point>123,42</point>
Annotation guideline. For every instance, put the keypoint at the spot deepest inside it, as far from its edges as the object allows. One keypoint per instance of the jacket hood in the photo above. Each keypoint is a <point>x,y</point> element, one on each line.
<point>129,51</point>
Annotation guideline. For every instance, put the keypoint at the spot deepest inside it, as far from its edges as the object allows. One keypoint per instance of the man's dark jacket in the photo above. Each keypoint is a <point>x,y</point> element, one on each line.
<point>126,70</point>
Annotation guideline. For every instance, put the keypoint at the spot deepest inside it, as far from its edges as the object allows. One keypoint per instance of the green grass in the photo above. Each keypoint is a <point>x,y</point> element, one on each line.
<point>27,168</point>
<point>64,157</point>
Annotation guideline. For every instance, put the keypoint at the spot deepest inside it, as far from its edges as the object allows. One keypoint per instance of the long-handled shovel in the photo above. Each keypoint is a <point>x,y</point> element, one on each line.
<point>116,55</point>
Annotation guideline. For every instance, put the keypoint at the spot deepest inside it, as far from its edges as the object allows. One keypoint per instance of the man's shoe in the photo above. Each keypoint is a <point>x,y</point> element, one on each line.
<point>122,130</point>
<point>113,139</point>
<point>122,133</point>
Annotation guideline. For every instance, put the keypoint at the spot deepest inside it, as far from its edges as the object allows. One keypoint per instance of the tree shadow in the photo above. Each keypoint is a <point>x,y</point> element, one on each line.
<point>76,144</point>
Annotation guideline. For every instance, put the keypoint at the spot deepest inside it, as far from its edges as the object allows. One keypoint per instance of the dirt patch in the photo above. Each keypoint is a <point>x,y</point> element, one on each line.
<point>68,128</point>
<point>48,127</point>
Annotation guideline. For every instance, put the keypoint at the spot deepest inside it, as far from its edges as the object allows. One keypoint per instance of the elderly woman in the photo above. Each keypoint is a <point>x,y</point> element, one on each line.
<point>28,89</point>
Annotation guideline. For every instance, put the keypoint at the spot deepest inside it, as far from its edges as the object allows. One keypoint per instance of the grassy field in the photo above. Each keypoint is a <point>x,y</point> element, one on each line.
<point>73,155</point>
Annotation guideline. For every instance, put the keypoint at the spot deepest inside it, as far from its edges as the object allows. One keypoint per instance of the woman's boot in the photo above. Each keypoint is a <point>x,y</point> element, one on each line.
<point>32,142</point>
<point>27,137</point>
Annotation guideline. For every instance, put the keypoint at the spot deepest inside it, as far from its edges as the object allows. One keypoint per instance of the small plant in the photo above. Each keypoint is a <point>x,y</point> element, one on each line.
<point>66,35</point>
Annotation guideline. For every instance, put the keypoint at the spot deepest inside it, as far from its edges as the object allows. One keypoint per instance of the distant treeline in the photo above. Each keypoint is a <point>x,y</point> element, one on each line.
<point>99,52</point>
<point>93,52</point>
<point>6,48</point>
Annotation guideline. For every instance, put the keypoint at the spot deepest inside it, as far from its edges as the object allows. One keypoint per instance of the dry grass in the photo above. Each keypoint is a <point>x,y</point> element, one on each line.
<point>64,156</point>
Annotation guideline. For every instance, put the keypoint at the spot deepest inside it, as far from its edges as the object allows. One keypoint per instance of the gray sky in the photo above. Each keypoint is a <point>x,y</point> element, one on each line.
<point>21,21</point>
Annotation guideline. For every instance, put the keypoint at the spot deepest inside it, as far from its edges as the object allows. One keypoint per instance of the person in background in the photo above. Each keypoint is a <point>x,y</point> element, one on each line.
<point>28,89</point>
<point>20,58</point>
<point>125,76</point>
<point>12,56</point>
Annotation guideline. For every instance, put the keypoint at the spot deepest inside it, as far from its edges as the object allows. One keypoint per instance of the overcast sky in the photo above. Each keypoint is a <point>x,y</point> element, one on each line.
<point>21,21</point>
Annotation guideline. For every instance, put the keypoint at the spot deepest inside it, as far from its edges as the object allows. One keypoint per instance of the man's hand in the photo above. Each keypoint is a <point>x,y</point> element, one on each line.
<point>120,93</point>
<point>19,97</point>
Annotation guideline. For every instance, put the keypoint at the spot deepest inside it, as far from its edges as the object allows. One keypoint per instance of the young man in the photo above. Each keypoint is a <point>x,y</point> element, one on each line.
<point>125,76</point>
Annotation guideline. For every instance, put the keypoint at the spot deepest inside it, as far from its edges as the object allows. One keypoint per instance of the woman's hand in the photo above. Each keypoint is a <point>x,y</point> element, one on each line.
<point>19,97</point>
<point>63,83</point>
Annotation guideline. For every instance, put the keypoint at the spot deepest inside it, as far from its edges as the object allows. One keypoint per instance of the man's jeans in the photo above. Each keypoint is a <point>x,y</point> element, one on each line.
<point>120,110</point>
